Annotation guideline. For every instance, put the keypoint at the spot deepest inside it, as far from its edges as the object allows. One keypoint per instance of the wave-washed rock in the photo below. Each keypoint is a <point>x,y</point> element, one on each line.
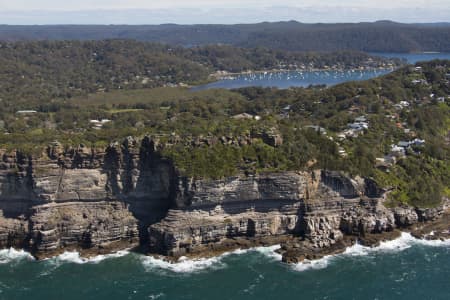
<point>127,195</point>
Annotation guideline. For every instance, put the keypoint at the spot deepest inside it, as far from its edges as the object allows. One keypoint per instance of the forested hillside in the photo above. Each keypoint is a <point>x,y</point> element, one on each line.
<point>380,36</point>
<point>44,70</point>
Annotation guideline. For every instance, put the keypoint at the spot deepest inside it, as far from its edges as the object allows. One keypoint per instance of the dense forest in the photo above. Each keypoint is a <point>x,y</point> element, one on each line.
<point>394,129</point>
<point>43,70</point>
<point>383,36</point>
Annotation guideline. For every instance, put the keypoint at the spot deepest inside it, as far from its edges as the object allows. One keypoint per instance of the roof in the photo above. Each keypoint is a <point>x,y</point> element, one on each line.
<point>26,111</point>
<point>243,116</point>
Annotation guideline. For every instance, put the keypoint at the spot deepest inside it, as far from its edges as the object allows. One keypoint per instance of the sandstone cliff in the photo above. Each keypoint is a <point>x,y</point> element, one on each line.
<point>125,195</point>
<point>81,197</point>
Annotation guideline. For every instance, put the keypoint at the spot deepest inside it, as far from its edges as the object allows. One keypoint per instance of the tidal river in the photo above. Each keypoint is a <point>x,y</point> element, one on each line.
<point>288,79</point>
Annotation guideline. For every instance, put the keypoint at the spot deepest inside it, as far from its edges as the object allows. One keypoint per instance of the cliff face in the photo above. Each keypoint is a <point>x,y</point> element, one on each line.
<point>81,197</point>
<point>320,206</point>
<point>100,200</point>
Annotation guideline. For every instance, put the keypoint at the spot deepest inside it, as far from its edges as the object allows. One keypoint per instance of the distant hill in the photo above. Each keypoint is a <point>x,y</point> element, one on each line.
<point>381,36</point>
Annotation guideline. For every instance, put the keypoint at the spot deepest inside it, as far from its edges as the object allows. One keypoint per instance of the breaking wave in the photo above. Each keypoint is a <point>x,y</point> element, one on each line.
<point>186,265</point>
<point>13,255</point>
<point>405,241</point>
<point>183,265</point>
<point>74,257</point>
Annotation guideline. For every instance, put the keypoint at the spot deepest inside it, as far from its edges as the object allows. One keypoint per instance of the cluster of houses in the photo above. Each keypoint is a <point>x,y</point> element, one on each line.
<point>398,151</point>
<point>402,146</point>
<point>402,105</point>
<point>355,129</point>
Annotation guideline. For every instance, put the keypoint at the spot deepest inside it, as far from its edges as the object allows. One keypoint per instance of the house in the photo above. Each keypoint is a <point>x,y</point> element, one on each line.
<point>352,133</point>
<point>358,126</point>
<point>404,103</point>
<point>387,161</point>
<point>243,116</point>
<point>287,108</point>
<point>342,152</point>
<point>341,136</point>
<point>397,151</point>
<point>403,144</point>
<point>361,119</point>
<point>417,142</point>
<point>318,129</point>
<point>419,81</point>
<point>99,124</point>
<point>26,112</point>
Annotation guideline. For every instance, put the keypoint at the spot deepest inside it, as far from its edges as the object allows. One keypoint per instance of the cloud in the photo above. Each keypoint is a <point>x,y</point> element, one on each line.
<point>233,12</point>
<point>55,5</point>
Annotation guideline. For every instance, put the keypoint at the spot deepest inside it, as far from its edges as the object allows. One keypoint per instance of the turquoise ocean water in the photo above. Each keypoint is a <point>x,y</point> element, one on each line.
<point>402,269</point>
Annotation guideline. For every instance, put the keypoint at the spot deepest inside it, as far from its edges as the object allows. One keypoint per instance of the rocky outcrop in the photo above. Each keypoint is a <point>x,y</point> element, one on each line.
<point>81,225</point>
<point>405,216</point>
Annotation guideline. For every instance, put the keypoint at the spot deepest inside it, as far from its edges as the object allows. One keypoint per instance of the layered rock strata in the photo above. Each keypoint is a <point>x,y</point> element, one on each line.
<point>318,209</point>
<point>127,195</point>
<point>82,198</point>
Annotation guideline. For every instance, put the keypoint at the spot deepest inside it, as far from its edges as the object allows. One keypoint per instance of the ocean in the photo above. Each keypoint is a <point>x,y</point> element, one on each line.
<point>405,268</point>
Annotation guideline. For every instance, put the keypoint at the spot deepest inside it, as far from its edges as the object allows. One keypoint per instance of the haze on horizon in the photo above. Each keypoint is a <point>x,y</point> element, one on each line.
<point>132,12</point>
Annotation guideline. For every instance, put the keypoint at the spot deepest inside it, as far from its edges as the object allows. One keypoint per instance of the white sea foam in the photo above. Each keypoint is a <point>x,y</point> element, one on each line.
<point>405,241</point>
<point>10,255</point>
<point>183,265</point>
<point>318,264</point>
<point>270,252</point>
<point>156,296</point>
<point>186,265</point>
<point>434,243</point>
<point>74,257</point>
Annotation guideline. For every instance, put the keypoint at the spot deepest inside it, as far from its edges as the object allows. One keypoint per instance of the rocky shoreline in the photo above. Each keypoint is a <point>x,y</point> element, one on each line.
<point>296,249</point>
<point>99,201</point>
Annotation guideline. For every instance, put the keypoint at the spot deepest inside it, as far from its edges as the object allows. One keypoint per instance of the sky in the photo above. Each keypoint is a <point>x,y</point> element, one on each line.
<point>219,11</point>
